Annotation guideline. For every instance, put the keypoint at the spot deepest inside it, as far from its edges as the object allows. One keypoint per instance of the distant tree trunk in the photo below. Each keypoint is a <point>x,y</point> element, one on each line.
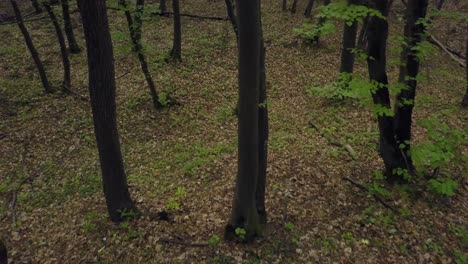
<point>63,48</point>
<point>308,10</point>
<point>294,7</point>
<point>32,49</point>
<point>320,22</point>
<point>3,254</point>
<point>465,98</point>
<point>176,52</point>
<point>134,27</point>
<point>409,69</point>
<point>72,44</point>
<point>232,17</point>
<point>440,4</point>
<point>162,6</point>
<point>377,66</point>
<point>285,5</point>
<point>349,44</point>
<point>37,6</point>
<point>244,209</point>
<point>102,94</point>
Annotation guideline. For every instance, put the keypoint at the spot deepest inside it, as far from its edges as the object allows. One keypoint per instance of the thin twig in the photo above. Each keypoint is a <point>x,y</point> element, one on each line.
<point>434,41</point>
<point>376,197</point>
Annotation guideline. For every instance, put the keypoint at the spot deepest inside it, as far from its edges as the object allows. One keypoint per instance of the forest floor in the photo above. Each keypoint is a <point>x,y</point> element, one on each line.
<point>182,160</point>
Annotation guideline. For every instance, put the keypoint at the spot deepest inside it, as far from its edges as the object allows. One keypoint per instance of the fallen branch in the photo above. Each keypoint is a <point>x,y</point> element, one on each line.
<point>376,197</point>
<point>434,41</point>
<point>181,242</point>
<point>334,142</point>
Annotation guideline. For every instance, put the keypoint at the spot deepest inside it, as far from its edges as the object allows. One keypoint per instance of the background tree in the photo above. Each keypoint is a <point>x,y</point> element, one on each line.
<point>294,7</point>
<point>349,42</point>
<point>102,94</point>
<point>32,49</point>
<point>465,98</point>
<point>285,5</point>
<point>162,6</point>
<point>232,16</point>
<point>308,10</point>
<point>320,22</point>
<point>245,213</point>
<point>176,52</point>
<point>63,48</point>
<point>37,6</point>
<point>72,44</point>
<point>134,27</point>
<point>3,253</point>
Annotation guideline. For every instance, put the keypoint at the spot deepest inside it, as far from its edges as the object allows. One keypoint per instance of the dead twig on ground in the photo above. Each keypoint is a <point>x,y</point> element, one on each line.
<point>333,141</point>
<point>434,41</point>
<point>376,197</point>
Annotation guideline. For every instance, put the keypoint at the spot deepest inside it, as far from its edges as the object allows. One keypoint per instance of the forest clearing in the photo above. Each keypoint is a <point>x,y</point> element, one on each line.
<point>192,126</point>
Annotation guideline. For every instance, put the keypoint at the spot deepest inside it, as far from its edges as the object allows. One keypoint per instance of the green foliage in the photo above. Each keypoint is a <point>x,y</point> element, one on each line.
<point>379,189</point>
<point>214,240</point>
<point>445,187</point>
<point>310,32</point>
<point>460,257</point>
<point>289,226</point>
<point>174,202</point>
<point>240,232</point>
<point>337,91</point>
<point>461,233</point>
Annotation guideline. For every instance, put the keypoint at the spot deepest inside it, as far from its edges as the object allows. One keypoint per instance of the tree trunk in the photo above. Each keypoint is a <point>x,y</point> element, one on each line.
<point>440,4</point>
<point>134,27</point>
<point>32,49</point>
<point>465,98</point>
<point>349,44</point>
<point>409,70</point>
<point>294,7</point>
<point>37,6</point>
<point>362,39</point>
<point>63,48</point>
<point>308,10</point>
<point>320,22</point>
<point>176,52</point>
<point>244,210</point>
<point>285,5</point>
<point>3,254</point>
<point>162,6</point>
<point>377,66</point>
<point>102,94</point>
<point>72,44</point>
<point>232,17</point>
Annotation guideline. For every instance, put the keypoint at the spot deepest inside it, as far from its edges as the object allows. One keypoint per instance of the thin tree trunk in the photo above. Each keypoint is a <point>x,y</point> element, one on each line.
<point>440,4</point>
<point>72,44</point>
<point>244,210</point>
<point>37,6</point>
<point>3,253</point>
<point>349,44</point>
<point>232,17</point>
<point>320,22</point>
<point>285,5</point>
<point>32,49</point>
<point>294,7</point>
<point>409,70</point>
<point>377,66</point>
<point>134,27</point>
<point>102,94</point>
<point>162,6</point>
<point>308,10</point>
<point>63,48</point>
<point>465,98</point>
<point>176,52</point>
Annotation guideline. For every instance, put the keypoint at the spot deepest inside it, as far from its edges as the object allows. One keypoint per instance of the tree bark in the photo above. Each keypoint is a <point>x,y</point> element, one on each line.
<point>37,6</point>
<point>232,17</point>
<point>308,10</point>
<point>32,49</point>
<point>72,44</point>
<point>3,254</point>
<point>294,7</point>
<point>134,27</point>
<point>349,44</point>
<point>362,39</point>
<point>465,98</point>
<point>244,210</point>
<point>176,52</point>
<point>63,48</point>
<point>377,66</point>
<point>102,94</point>
<point>285,5</point>
<point>409,70</point>
<point>440,4</point>
<point>162,7</point>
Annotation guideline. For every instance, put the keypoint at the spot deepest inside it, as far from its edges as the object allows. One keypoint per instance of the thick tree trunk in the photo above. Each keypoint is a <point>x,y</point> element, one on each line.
<point>349,44</point>
<point>63,48</point>
<point>37,6</point>
<point>72,44</point>
<point>134,27</point>
<point>176,52</point>
<point>102,94</point>
<point>294,7</point>
<point>232,17</point>
<point>244,210</point>
<point>409,70</point>
<point>32,49</point>
<point>162,6</point>
<point>308,10</point>
<point>377,63</point>
<point>285,5</point>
